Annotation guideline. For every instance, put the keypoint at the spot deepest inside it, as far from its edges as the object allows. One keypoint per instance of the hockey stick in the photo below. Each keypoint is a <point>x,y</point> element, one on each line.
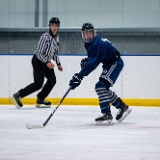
<point>34,126</point>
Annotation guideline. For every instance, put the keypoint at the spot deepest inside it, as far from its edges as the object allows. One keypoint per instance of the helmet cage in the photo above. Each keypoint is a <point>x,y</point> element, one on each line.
<point>88,27</point>
<point>89,40</point>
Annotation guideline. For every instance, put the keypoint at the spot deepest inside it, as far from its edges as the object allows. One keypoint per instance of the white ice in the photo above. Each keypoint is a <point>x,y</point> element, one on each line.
<point>72,134</point>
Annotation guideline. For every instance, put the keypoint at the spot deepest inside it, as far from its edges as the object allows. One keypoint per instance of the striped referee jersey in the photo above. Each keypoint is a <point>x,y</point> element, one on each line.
<point>48,48</point>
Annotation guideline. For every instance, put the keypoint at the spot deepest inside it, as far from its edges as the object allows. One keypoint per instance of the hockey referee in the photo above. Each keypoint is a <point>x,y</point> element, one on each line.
<point>46,50</point>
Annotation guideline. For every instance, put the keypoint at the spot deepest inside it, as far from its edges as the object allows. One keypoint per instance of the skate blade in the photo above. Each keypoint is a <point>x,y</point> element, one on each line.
<point>128,111</point>
<point>33,126</point>
<point>43,106</point>
<point>14,102</point>
<point>109,122</point>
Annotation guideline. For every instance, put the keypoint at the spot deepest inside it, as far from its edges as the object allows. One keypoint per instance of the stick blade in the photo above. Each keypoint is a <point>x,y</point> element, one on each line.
<point>34,126</point>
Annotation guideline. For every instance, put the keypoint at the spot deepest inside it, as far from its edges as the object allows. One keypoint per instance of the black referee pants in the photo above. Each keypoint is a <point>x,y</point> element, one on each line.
<point>40,71</point>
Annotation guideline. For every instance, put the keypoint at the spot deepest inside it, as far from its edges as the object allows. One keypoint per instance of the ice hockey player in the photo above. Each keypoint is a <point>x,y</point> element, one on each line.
<point>100,50</point>
<point>47,50</point>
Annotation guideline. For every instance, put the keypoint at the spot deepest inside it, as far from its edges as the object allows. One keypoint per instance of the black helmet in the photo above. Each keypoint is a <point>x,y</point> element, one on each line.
<point>87,27</point>
<point>54,20</point>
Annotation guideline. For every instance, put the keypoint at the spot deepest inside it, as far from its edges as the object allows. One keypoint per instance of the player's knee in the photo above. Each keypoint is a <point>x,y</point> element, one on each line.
<point>103,84</point>
<point>99,87</point>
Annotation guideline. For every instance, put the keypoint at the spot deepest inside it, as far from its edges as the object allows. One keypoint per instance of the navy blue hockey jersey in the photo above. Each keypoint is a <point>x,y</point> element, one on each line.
<point>99,51</point>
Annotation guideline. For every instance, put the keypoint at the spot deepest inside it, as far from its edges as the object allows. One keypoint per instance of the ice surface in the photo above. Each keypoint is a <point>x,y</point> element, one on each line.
<point>72,134</point>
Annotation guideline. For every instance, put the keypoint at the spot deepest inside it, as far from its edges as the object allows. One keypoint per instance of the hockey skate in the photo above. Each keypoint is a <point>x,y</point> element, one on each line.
<point>106,118</point>
<point>43,104</point>
<point>16,100</point>
<point>123,112</point>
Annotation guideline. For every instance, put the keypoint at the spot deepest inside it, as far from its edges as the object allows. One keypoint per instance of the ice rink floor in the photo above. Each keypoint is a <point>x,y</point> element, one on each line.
<point>72,134</point>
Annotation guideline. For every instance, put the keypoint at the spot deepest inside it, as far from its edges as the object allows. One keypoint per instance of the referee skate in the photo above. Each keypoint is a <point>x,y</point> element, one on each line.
<point>16,100</point>
<point>43,104</point>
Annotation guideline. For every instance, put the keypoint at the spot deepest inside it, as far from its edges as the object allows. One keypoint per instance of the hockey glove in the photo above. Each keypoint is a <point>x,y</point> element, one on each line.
<point>83,62</point>
<point>75,81</point>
